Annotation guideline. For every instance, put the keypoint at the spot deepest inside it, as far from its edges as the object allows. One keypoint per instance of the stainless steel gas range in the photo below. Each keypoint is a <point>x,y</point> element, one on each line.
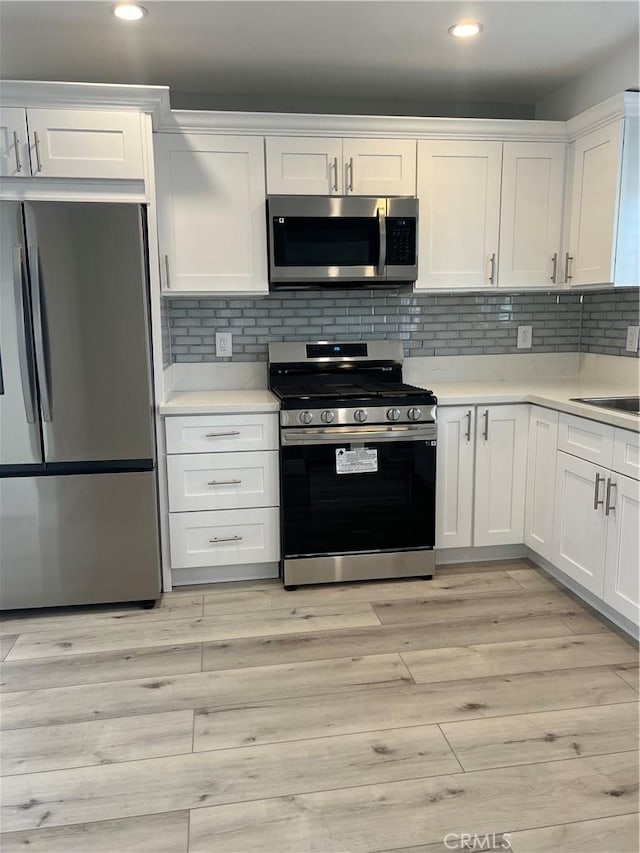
<point>358,463</point>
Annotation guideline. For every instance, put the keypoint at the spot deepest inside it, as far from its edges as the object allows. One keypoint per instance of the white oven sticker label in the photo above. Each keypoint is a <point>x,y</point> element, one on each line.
<point>362,460</point>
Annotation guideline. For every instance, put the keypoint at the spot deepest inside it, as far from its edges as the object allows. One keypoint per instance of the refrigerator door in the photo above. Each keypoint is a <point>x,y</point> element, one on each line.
<point>20,438</point>
<point>78,539</point>
<point>89,294</point>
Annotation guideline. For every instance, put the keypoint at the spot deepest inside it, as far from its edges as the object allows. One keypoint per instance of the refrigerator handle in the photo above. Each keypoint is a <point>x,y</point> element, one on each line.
<point>25,349</point>
<point>40,339</point>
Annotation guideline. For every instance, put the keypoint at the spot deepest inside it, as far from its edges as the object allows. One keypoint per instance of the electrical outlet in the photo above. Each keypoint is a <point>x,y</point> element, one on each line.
<point>525,336</point>
<point>633,333</point>
<point>224,344</point>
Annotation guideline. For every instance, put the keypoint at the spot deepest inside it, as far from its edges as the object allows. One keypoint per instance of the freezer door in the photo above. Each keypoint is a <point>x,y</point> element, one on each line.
<point>78,540</point>
<point>20,440</point>
<point>89,291</point>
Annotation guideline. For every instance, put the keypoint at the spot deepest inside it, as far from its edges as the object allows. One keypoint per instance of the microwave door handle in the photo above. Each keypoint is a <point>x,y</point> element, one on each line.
<point>382,228</point>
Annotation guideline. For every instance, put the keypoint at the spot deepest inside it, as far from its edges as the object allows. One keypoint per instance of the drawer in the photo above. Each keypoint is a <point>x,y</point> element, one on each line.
<point>224,537</point>
<point>221,433</point>
<point>626,453</point>
<point>587,439</point>
<point>222,480</point>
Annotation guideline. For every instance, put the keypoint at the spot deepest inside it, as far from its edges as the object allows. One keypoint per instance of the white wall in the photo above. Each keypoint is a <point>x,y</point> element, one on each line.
<point>615,73</point>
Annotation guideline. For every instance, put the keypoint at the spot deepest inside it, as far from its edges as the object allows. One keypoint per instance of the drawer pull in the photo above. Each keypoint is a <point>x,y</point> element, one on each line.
<point>219,434</point>
<point>217,539</point>
<point>224,482</point>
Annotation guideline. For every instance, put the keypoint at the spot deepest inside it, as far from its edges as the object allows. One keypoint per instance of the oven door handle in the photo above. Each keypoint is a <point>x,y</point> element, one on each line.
<point>337,435</point>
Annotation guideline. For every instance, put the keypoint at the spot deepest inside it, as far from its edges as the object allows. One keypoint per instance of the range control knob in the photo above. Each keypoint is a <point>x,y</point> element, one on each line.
<point>393,414</point>
<point>305,417</point>
<point>360,415</point>
<point>414,414</point>
<point>328,417</point>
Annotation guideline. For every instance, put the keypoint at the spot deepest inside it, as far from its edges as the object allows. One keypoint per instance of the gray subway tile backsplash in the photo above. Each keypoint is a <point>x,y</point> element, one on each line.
<point>433,324</point>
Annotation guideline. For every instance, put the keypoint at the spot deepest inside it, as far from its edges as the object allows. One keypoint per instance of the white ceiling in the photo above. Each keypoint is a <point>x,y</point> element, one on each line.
<point>267,51</point>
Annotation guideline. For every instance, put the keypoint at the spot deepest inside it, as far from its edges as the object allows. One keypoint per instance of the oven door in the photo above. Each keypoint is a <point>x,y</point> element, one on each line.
<point>358,491</point>
<point>326,239</point>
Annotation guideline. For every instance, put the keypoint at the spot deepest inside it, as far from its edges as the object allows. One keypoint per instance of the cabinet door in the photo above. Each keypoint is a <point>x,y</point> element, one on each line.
<point>459,195</point>
<point>379,167</point>
<point>580,528</point>
<point>541,471</point>
<point>454,477</point>
<point>622,572</point>
<point>595,187</point>
<point>531,213</point>
<point>304,166</point>
<point>14,144</point>
<point>501,471</point>
<point>85,144</point>
<point>211,213</point>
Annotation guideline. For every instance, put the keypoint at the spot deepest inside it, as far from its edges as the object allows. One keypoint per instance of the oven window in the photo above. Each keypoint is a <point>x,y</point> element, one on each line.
<point>325,241</point>
<point>391,509</point>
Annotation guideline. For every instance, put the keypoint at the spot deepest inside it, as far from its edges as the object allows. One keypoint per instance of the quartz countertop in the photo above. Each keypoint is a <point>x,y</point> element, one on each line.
<point>248,401</point>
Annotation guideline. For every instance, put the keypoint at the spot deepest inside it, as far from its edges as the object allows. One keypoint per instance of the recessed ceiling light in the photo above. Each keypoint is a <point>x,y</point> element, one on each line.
<point>129,11</point>
<point>465,29</point>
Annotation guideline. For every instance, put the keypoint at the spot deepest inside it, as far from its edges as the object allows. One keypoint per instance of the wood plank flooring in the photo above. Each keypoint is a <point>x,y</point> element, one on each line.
<point>388,716</point>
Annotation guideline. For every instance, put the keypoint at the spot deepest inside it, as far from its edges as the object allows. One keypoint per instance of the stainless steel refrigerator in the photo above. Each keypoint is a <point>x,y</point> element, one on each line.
<point>78,509</point>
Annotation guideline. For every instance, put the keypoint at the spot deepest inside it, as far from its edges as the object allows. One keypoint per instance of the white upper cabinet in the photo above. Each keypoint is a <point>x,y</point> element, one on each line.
<point>326,166</point>
<point>459,195</point>
<point>14,146</point>
<point>501,473</point>
<point>531,213</point>
<point>590,254</point>
<point>43,143</point>
<point>211,213</point>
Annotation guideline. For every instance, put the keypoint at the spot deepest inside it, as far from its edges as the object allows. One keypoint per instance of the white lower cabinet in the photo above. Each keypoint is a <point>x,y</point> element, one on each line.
<point>481,475</point>
<point>541,472</point>
<point>501,472</point>
<point>579,539</point>
<point>223,494</point>
<point>622,563</point>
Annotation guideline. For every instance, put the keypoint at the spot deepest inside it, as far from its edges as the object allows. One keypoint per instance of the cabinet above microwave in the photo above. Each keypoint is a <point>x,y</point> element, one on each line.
<point>321,241</point>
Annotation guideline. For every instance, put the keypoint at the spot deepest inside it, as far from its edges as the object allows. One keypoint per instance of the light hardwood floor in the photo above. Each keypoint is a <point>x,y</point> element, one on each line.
<point>390,716</point>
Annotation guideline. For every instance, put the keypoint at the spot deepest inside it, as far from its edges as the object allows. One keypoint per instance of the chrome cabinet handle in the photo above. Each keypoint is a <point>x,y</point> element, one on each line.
<point>217,539</point>
<point>36,139</point>
<point>467,434</point>
<point>223,482</point>
<point>554,261</point>
<point>166,270</point>
<point>350,175</point>
<point>40,338</point>
<point>25,345</point>
<point>485,432</point>
<point>219,434</point>
<point>567,261</point>
<point>16,149</point>
<point>382,228</point>
<point>492,275</point>
<point>335,174</point>
<point>609,507</point>
<point>596,501</point>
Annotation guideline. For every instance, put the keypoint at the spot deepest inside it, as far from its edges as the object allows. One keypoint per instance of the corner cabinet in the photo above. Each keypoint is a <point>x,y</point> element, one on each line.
<point>330,166</point>
<point>541,471</point>
<point>211,213</point>
<point>43,143</point>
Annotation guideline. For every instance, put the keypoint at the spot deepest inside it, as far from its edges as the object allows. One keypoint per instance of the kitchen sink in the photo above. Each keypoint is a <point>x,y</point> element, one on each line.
<point>620,404</point>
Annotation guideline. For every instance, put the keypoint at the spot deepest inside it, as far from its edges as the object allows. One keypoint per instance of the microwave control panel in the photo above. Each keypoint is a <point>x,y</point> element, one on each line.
<point>401,241</point>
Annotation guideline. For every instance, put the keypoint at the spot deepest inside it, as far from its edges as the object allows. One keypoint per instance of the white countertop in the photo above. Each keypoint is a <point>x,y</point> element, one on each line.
<point>254,401</point>
<point>553,395</point>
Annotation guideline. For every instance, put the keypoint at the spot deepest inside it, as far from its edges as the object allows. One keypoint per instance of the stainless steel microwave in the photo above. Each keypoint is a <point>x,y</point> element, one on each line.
<point>338,241</point>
